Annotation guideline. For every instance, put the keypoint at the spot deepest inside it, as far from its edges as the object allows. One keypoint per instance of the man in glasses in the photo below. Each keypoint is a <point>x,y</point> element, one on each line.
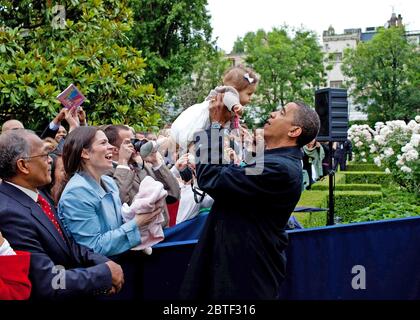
<point>59,267</point>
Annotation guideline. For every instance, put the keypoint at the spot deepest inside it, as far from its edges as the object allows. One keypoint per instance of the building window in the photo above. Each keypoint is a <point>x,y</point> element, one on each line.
<point>336,84</point>
<point>338,56</point>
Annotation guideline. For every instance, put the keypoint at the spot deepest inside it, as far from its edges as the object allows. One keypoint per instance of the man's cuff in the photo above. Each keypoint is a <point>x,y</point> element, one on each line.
<point>156,168</point>
<point>123,166</point>
<point>54,126</point>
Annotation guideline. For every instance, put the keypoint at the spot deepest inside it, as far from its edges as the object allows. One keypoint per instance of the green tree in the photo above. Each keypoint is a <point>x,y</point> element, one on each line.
<point>171,35</point>
<point>290,67</point>
<point>384,76</point>
<point>91,51</point>
<point>207,74</point>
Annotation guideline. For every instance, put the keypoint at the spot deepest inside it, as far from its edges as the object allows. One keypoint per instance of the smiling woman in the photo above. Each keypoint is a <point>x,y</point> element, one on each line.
<point>90,206</point>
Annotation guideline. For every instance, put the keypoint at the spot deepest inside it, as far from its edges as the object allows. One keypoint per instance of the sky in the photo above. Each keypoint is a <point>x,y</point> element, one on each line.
<point>233,18</point>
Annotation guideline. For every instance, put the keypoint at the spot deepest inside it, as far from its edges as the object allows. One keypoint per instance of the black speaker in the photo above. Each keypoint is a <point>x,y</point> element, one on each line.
<point>332,108</point>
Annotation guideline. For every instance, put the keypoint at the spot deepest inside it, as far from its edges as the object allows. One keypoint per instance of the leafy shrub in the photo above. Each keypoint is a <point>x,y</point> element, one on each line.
<point>363,167</point>
<point>349,187</point>
<point>386,210</point>
<point>346,202</point>
<point>381,178</point>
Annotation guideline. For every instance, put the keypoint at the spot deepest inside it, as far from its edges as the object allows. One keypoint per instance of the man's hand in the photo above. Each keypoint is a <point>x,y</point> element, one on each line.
<point>154,158</point>
<point>60,116</point>
<point>1,239</point>
<point>125,152</point>
<point>72,119</point>
<point>117,276</point>
<point>81,115</point>
<point>218,111</point>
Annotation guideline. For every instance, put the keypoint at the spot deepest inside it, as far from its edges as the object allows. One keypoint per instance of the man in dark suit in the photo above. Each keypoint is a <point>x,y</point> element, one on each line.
<point>241,252</point>
<point>59,267</point>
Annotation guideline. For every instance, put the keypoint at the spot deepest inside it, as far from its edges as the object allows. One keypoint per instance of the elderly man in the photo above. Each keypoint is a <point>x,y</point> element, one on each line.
<point>241,252</point>
<point>11,125</point>
<point>59,267</point>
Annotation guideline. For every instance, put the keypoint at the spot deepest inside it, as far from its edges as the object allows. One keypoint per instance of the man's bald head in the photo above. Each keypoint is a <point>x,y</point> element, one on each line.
<point>11,125</point>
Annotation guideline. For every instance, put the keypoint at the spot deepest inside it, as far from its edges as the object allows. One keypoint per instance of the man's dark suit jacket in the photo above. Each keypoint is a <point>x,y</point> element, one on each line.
<point>27,228</point>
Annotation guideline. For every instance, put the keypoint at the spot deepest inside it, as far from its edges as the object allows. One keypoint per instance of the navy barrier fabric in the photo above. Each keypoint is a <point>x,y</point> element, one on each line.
<point>374,260</point>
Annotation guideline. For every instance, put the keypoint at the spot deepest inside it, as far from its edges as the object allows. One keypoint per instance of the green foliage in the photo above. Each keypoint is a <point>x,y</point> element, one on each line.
<point>207,74</point>
<point>346,202</point>
<point>290,67</point>
<point>381,178</point>
<point>171,35</point>
<point>92,52</point>
<point>349,187</point>
<point>363,167</point>
<point>385,210</point>
<point>385,76</point>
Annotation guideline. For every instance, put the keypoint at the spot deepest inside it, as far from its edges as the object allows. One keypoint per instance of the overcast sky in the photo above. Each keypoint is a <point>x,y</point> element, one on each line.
<point>233,18</point>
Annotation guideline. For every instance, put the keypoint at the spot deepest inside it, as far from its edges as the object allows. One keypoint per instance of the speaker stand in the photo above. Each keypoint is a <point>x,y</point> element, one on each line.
<point>331,185</point>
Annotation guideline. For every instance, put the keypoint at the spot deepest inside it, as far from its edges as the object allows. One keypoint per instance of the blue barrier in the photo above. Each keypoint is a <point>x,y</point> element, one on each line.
<point>320,261</point>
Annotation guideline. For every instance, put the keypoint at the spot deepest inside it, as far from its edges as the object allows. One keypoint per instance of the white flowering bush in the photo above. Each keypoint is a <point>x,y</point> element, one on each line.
<point>361,137</point>
<point>395,147</point>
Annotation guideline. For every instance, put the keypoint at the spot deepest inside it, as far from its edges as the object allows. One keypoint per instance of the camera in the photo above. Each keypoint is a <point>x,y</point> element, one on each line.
<point>144,147</point>
<point>137,143</point>
<point>186,174</point>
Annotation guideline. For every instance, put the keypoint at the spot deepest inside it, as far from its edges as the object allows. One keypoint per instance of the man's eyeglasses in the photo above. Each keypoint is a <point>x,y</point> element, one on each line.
<point>44,156</point>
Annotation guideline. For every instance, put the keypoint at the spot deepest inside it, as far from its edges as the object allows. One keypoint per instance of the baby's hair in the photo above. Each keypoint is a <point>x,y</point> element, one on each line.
<point>240,77</point>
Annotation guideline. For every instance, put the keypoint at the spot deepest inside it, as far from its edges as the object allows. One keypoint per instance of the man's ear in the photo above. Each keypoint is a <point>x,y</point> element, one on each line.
<point>295,132</point>
<point>22,166</point>
<point>85,154</point>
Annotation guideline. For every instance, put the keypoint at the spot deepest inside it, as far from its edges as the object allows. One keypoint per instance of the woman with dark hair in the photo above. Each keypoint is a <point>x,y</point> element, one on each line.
<point>90,205</point>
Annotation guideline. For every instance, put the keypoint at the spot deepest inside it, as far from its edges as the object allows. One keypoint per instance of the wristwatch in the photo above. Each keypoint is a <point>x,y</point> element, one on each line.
<point>216,125</point>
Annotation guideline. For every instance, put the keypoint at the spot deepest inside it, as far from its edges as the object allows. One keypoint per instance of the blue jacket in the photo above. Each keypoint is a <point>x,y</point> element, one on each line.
<point>92,215</point>
<point>27,228</point>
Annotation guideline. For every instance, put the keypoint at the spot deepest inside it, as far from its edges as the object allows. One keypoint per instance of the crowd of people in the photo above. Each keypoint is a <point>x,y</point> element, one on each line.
<point>74,201</point>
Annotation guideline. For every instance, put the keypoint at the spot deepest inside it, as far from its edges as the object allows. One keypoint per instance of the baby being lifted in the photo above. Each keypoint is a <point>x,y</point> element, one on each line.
<point>239,86</point>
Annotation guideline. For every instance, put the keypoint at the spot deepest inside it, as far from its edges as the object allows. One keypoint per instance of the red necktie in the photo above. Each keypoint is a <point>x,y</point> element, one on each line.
<point>47,210</point>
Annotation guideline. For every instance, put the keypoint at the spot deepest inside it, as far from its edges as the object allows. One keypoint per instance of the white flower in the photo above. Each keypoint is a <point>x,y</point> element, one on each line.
<point>363,153</point>
<point>415,140</point>
<point>387,170</point>
<point>407,147</point>
<point>364,160</point>
<point>417,118</point>
<point>406,169</point>
<point>372,148</point>
<point>388,152</point>
<point>400,162</point>
<point>380,140</point>
<point>359,144</point>
<point>377,161</point>
<point>412,155</point>
<point>356,139</point>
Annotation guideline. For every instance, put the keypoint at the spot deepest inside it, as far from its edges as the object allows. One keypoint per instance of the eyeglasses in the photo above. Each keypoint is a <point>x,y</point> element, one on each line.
<point>45,156</point>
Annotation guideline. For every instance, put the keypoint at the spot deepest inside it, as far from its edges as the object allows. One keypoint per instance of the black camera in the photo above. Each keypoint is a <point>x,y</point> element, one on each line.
<point>137,143</point>
<point>186,174</point>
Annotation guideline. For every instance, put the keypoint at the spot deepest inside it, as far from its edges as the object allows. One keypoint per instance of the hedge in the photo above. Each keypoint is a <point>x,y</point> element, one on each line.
<point>340,178</point>
<point>371,177</point>
<point>346,202</point>
<point>316,199</point>
<point>349,187</point>
<point>363,167</point>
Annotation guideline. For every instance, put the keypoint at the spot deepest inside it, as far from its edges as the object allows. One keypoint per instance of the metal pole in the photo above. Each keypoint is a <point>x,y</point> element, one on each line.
<point>330,217</point>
